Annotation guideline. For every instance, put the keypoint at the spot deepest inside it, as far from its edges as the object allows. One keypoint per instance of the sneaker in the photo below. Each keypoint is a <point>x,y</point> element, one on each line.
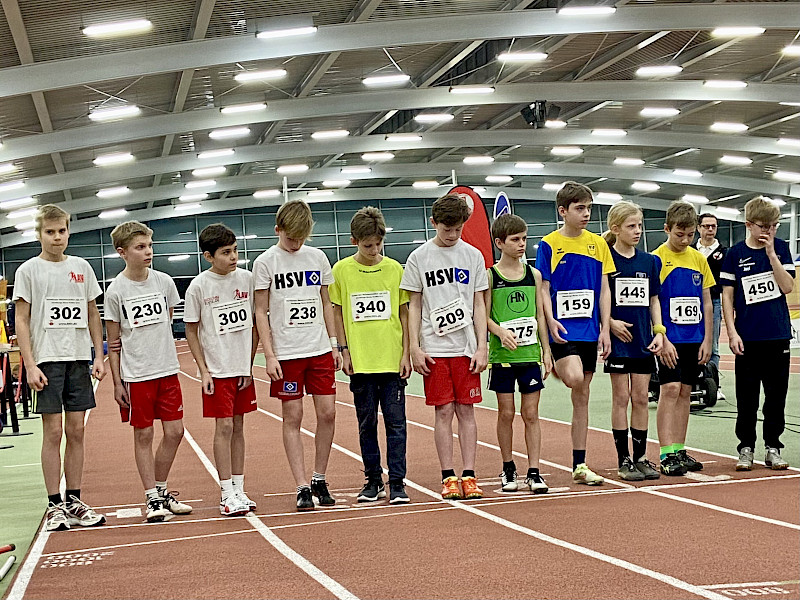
<point>583,474</point>
<point>536,484</point>
<point>628,471</point>
<point>508,480</point>
<point>305,501</point>
<point>672,466</point>
<point>745,462</point>
<point>397,493</point>
<point>157,511</point>
<point>250,503</point>
<point>450,489</point>
<point>173,505</point>
<point>647,469</point>
<point>372,490</point>
<point>689,462</point>
<point>774,460</point>
<point>80,513</point>
<point>319,487</point>
<point>55,518</point>
<point>233,506</point>
<point>471,489</point>
<point>720,394</point>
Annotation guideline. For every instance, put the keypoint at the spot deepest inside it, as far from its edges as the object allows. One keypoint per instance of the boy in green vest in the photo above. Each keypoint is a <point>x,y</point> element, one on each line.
<point>518,343</point>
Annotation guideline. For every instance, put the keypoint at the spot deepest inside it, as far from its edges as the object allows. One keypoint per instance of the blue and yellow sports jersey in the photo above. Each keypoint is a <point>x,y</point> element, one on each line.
<point>684,276</point>
<point>575,268</point>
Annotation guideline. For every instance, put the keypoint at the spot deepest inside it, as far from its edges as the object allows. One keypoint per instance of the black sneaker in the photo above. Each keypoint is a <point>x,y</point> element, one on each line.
<point>319,487</point>
<point>372,490</point>
<point>397,493</point>
<point>647,468</point>
<point>304,499</point>
<point>689,462</point>
<point>628,471</point>
<point>672,466</point>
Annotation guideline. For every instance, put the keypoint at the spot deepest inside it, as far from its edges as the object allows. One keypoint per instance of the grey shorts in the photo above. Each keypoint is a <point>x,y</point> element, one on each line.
<point>69,388</point>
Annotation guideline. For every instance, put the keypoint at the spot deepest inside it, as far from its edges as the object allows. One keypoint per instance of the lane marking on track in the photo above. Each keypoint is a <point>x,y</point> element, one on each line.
<point>22,465</point>
<point>720,586</point>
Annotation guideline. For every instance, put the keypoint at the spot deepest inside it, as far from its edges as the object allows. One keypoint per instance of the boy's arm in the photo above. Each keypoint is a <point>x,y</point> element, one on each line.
<point>541,321</point>
<point>405,362</point>
<point>481,357</point>
<point>96,333</point>
<point>708,325</point>
<point>330,326</point>
<point>273,367</point>
<point>783,277</point>
<point>734,340</point>
<point>22,325</point>
<point>655,318</point>
<point>555,328</point>
<point>604,342</point>
<point>120,393</point>
<point>341,336</point>
<point>419,359</point>
<point>506,337</point>
<point>193,339</point>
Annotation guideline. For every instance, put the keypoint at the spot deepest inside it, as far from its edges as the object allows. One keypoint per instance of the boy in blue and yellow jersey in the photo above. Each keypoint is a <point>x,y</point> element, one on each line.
<point>687,313</point>
<point>575,264</point>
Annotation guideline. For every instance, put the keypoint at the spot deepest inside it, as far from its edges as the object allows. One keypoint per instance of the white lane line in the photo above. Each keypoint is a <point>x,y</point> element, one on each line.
<point>722,586</point>
<point>22,465</point>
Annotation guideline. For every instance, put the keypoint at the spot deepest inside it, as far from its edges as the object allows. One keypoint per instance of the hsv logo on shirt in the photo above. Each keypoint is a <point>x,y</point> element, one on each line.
<point>296,279</point>
<point>449,275</point>
<point>238,295</point>
<point>76,277</point>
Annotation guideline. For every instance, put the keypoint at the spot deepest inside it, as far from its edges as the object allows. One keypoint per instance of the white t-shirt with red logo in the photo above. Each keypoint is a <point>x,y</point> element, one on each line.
<point>223,305</point>
<point>59,294</point>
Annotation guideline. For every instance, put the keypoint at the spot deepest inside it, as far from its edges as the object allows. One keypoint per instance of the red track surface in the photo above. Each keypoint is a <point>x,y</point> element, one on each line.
<point>666,540</point>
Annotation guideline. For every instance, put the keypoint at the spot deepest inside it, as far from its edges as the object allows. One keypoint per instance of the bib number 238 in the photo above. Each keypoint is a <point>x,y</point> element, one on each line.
<point>302,312</point>
<point>450,317</point>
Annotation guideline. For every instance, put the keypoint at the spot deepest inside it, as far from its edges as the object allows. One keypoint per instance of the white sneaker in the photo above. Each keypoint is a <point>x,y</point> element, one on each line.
<point>246,500</point>
<point>80,513</point>
<point>157,512</point>
<point>720,394</point>
<point>233,506</point>
<point>56,518</point>
<point>173,505</point>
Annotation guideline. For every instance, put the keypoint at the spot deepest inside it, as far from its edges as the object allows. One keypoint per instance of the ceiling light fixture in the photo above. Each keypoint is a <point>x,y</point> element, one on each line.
<point>192,197</point>
<point>254,76</point>
<point>731,159</point>
<point>687,173</point>
<point>259,194</point>
<point>555,124</point>
<point>478,160</point>
<point>113,192</point>
<point>330,134</point>
<point>18,202</point>
<point>221,153</point>
<point>336,183</point>
<point>657,111</point>
<point>118,28</point>
<point>518,57</point>
<point>499,178</point>
<point>286,169</point>
<point>355,170</point>
<point>777,201</point>
<point>791,50</point>
<point>25,225</point>
<point>628,162</point>
<point>378,80</point>
<point>728,127</point>
<point>789,176</point>
<point>181,207</point>
<point>234,109</point>
<point>21,214</point>
<point>229,133</point>
<point>645,186</point>
<point>403,137</point>
<point>114,158</point>
<point>425,184</point>
<point>209,171</point>
<point>609,132</point>
<point>196,185</point>
<point>320,193</point>
<point>529,165</point>
<point>566,150</point>
<point>788,142</point>
<point>658,71</point>
<point>8,167</point>
<point>608,196</point>
<point>694,199</point>
<point>577,11</point>
<point>282,33</point>
<point>113,214</point>
<point>377,156</point>
<point>724,83</point>
<point>727,211</point>
<point>434,117</point>
<point>730,32</point>
<point>471,89</point>
<point>552,187</point>
<point>117,112</point>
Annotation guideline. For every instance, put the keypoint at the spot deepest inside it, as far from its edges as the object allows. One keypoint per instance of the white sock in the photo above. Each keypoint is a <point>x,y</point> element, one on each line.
<point>151,494</point>
<point>318,476</point>
<point>238,482</point>
<point>161,486</point>
<point>226,485</point>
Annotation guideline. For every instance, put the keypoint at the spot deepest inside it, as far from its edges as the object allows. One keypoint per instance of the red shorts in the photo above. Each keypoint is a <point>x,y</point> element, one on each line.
<point>228,400</point>
<point>155,399</point>
<point>450,380</point>
<point>315,374</point>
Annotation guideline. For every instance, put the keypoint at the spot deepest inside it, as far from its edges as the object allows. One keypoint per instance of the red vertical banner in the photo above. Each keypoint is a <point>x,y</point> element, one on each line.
<point>476,230</point>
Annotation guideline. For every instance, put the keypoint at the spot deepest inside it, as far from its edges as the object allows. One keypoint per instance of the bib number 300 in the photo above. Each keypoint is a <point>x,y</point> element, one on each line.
<point>65,313</point>
<point>450,317</point>
<point>232,316</point>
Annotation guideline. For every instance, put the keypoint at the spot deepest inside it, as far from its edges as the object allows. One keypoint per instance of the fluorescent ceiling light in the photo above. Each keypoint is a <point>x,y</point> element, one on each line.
<point>114,158</point>
<point>229,133</point>
<point>498,178</point>
<point>724,198</point>
<point>117,112</point>
<point>728,127</point>
<point>113,192</point>
<point>555,124</point>
<point>628,162</point>
<point>731,159</point>
<point>251,236</point>
<point>355,170</point>
<point>336,183</point>
<point>192,197</point>
<point>471,89</point>
<point>196,185</point>
<point>687,173</point>
<point>777,201</point>
<point>609,132</point>
<point>28,233</point>
<point>112,255</point>
<point>694,198</point>
<point>178,257</point>
<point>25,225</point>
<point>658,70</point>
<point>425,184</point>
<point>403,137</point>
<point>789,103</point>
<point>727,211</point>
<point>259,194</point>
<point>516,57</point>
<point>478,160</point>
<point>608,196</point>
<point>377,156</point>
<point>118,28</point>
<point>724,83</point>
<point>113,214</point>
<point>568,11</point>
<point>209,171</point>
<point>234,109</point>
<point>479,189</point>
<point>790,176</point>
<point>788,142</point>
<point>221,153</point>
<point>791,50</point>
<point>552,187</point>
<point>330,134</point>
<point>657,111</point>
<point>21,214</point>
<point>434,117</point>
<point>253,76</point>
<point>529,165</point>
<point>645,186</point>
<point>376,80</point>
<point>180,207</point>
<point>282,33</point>
<point>320,193</point>
<point>729,32</point>
<point>566,150</point>
<point>283,169</point>
<point>7,168</point>
<point>7,204</point>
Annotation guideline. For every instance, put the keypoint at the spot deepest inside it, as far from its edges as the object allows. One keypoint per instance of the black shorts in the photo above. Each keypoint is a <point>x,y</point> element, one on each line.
<point>69,388</point>
<point>503,376</point>
<point>626,364</point>
<point>686,371</point>
<point>587,351</point>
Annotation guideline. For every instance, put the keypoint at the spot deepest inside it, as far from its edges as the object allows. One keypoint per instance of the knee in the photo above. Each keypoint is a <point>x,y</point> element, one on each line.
<point>144,435</point>
<point>52,435</point>
<point>224,428</point>
<point>639,402</point>
<point>74,433</point>
<point>445,412</point>
<point>530,416</point>
<point>505,414</point>
<point>174,435</point>
<point>670,391</point>
<point>326,416</point>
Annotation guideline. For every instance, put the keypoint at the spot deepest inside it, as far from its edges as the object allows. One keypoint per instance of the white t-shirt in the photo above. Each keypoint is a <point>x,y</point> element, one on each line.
<point>294,281</point>
<point>142,310</point>
<point>59,294</point>
<point>223,305</point>
<point>448,278</point>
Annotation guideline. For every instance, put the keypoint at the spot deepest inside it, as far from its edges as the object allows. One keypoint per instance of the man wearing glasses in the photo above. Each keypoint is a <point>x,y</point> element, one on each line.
<point>710,247</point>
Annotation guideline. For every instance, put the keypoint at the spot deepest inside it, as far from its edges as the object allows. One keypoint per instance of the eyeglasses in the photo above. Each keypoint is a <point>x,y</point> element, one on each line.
<point>709,226</point>
<point>765,228</point>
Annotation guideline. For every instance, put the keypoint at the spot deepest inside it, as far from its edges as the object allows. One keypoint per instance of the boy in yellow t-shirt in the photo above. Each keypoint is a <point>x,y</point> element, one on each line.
<point>370,307</point>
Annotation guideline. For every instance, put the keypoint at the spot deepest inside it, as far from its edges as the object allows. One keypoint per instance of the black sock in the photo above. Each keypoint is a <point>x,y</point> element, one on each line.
<point>70,493</point>
<point>54,498</point>
<point>639,438</point>
<point>578,457</point>
<point>467,473</point>
<point>621,442</point>
<point>509,466</point>
<point>448,473</point>
<point>532,472</point>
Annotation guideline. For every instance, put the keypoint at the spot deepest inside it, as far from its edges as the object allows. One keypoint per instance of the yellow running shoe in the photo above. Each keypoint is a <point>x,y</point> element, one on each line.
<point>583,474</point>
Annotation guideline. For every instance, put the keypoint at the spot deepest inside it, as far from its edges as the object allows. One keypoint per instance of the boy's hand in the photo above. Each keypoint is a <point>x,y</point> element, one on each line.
<point>274,370</point>
<point>121,395</point>
<point>620,330</point>
<point>420,361</point>
<point>604,344</point>
<point>347,362</point>
<point>704,354</point>
<point>405,367</point>
<point>556,329</point>
<point>245,382</point>
<point>98,368</point>
<point>736,344</point>
<point>36,379</point>
<point>479,360</point>
<point>657,343</point>
<point>508,339</point>
<point>207,384</point>
<point>668,355</point>
<point>116,345</point>
<point>547,363</point>
<point>337,359</point>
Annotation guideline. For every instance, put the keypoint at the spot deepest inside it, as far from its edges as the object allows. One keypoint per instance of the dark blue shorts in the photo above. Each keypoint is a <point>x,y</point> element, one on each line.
<point>503,376</point>
<point>626,364</point>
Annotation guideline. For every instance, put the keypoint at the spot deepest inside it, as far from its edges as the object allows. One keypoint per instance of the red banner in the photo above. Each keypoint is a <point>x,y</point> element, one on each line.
<point>476,230</point>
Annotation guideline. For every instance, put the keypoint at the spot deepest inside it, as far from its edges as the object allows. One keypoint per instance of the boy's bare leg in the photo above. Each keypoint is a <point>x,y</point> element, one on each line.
<point>683,408</point>
<point>533,429</point>
<point>325,408</point>
<point>237,445</point>
<point>73,452</point>
<point>292,442</point>
<point>580,412</point>
<point>222,447</point>
<point>640,385</point>
<point>666,413</point>
<point>443,434</point>
<point>165,453</point>
<point>620,396</point>
<point>467,434</point>
<point>143,453</point>
<point>51,452</point>
<point>505,426</point>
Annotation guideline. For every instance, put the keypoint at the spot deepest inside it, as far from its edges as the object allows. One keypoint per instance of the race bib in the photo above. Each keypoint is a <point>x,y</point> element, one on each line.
<point>573,304</point>
<point>371,306</point>
<point>760,288</point>
<point>525,328</point>
<point>632,291</point>
<point>145,310</point>
<point>450,317</point>
<point>65,313</point>
<point>684,310</point>
<point>232,316</point>
<point>302,312</point>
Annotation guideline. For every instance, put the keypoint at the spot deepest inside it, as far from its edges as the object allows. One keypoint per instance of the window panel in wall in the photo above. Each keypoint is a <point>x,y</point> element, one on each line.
<point>21,253</point>
<point>400,252</point>
<point>179,268</point>
<point>84,251</point>
<point>400,237</point>
<point>175,229</point>
<point>324,223</point>
<point>332,255</point>
<point>84,238</point>
<point>229,218</point>
<point>536,212</point>
<point>260,225</point>
<point>405,219</point>
<point>113,267</point>
<point>655,239</point>
<point>174,247</point>
<point>414,203</point>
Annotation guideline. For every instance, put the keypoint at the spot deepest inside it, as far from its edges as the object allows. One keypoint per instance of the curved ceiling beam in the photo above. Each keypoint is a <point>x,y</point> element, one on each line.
<point>369,102</point>
<point>198,54</point>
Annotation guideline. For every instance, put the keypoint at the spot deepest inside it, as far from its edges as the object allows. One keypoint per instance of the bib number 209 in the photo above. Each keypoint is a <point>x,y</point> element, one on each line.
<point>450,317</point>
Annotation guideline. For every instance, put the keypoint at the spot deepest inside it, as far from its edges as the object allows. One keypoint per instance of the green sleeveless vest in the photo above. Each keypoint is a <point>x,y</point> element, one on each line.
<point>512,300</point>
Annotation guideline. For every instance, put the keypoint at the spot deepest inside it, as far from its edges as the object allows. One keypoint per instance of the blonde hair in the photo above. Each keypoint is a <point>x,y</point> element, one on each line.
<point>122,235</point>
<point>294,219</point>
<point>366,223</point>
<point>50,212</point>
<point>681,214</point>
<point>761,209</point>
<point>617,215</point>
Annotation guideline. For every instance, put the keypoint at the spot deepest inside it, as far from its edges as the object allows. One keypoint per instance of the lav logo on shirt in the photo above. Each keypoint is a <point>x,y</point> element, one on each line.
<point>697,278</point>
<point>296,279</point>
<point>76,277</point>
<point>450,275</point>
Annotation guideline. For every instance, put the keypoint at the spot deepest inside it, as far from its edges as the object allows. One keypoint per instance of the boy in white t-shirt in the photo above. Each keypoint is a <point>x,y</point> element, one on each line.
<point>138,310</point>
<point>447,330</point>
<point>57,324</point>
<point>223,341</point>
<point>295,319</point>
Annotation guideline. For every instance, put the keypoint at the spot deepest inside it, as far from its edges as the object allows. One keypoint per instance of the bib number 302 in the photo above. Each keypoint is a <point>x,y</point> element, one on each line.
<point>232,316</point>
<point>574,304</point>
<point>450,317</point>
<point>684,310</point>
<point>65,313</point>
